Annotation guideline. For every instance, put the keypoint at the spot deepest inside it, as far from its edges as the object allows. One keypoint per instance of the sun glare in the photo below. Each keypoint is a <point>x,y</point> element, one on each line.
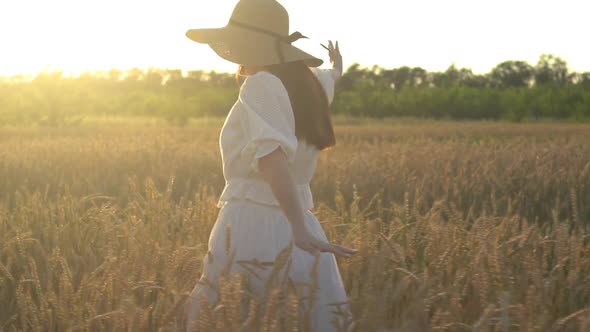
<point>76,36</point>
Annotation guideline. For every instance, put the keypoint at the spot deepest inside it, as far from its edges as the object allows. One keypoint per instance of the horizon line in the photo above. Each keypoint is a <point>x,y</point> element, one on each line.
<point>48,69</point>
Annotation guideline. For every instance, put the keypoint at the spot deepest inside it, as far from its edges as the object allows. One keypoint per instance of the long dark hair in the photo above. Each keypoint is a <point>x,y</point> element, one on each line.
<point>309,102</point>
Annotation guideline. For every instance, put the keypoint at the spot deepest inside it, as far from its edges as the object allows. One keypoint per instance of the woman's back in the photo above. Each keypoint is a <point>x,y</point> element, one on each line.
<point>260,121</point>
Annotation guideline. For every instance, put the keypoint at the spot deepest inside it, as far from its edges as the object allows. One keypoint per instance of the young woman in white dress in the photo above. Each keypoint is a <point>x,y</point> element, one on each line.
<point>270,143</point>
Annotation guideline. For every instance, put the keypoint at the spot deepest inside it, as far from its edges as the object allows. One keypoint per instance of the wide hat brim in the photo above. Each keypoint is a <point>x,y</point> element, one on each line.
<point>250,48</point>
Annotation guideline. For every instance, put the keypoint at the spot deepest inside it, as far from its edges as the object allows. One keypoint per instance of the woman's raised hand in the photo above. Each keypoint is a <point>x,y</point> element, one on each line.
<point>306,241</point>
<point>335,56</point>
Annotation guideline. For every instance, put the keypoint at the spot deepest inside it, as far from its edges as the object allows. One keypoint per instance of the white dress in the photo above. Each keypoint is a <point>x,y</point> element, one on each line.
<point>260,121</point>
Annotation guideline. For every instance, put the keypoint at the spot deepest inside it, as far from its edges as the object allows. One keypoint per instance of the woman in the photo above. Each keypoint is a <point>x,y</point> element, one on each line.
<point>270,143</point>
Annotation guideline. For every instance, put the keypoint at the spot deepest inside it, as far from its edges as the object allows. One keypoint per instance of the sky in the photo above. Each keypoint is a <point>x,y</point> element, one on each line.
<point>81,35</point>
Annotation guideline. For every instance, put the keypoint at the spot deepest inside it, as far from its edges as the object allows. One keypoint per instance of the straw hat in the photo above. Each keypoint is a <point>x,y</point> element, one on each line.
<point>257,34</point>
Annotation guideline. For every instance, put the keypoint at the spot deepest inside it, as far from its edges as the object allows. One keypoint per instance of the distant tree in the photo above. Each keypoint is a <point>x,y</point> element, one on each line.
<point>512,74</point>
<point>134,74</point>
<point>196,75</point>
<point>447,78</point>
<point>173,76</point>
<point>220,79</point>
<point>398,78</point>
<point>114,74</point>
<point>419,77</point>
<point>188,84</point>
<point>551,70</point>
<point>88,76</point>
<point>465,76</point>
<point>452,76</point>
<point>477,81</point>
<point>154,77</point>
<point>584,79</point>
<point>405,76</point>
<point>355,74</point>
<point>49,76</point>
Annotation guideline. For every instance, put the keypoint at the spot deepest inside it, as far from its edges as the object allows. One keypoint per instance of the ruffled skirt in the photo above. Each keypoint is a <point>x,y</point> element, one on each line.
<point>256,232</point>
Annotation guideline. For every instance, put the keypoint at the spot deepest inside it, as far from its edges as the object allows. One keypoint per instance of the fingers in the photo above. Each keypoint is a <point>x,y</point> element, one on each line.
<point>323,246</point>
<point>339,251</point>
<point>316,246</point>
<point>335,249</point>
<point>333,47</point>
<point>346,250</point>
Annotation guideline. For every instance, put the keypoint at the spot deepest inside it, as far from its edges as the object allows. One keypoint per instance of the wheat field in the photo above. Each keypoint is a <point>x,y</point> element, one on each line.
<point>461,227</point>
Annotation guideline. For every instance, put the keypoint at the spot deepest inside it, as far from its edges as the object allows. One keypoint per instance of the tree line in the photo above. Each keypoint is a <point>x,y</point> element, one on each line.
<point>512,90</point>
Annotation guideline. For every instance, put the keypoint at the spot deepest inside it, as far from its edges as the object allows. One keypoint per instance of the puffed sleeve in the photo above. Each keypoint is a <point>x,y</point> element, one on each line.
<point>327,78</point>
<point>266,118</point>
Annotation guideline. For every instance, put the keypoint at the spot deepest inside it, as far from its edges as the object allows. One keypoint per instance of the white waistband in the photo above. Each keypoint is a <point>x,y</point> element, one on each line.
<point>259,191</point>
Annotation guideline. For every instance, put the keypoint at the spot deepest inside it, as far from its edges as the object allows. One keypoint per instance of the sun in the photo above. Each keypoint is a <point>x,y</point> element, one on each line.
<point>77,36</point>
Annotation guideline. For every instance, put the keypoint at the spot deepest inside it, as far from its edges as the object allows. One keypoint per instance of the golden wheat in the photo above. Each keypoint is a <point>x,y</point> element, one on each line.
<point>460,226</point>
